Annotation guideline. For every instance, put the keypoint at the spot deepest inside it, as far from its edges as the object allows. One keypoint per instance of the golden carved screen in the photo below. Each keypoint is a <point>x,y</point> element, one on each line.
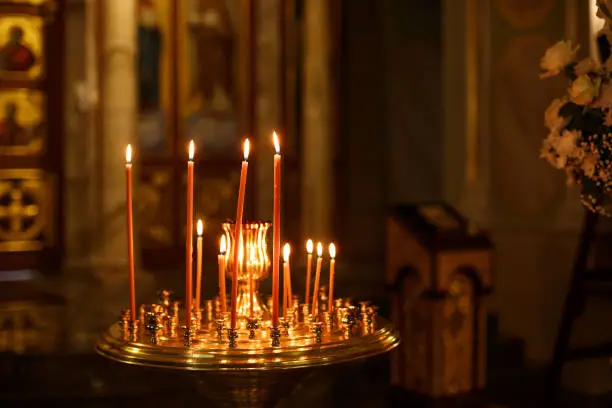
<point>196,67</point>
<point>30,132</point>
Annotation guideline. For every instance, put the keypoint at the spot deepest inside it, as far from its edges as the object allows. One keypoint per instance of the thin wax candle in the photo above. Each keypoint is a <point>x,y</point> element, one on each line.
<point>130,231</point>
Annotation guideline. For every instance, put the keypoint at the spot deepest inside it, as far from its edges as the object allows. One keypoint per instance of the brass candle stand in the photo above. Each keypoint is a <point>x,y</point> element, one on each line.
<point>255,363</point>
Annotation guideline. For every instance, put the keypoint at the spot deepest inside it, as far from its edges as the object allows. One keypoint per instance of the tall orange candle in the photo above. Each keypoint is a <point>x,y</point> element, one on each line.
<point>276,226</point>
<point>238,231</point>
<point>332,270</point>
<point>288,301</point>
<point>200,231</point>
<point>315,297</point>
<point>221,262</point>
<point>130,231</point>
<point>309,248</point>
<point>189,237</point>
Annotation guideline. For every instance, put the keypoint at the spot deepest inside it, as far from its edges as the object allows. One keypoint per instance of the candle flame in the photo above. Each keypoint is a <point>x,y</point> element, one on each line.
<point>200,228</point>
<point>191,150</point>
<point>309,246</point>
<point>222,245</point>
<point>286,252</point>
<point>319,249</point>
<point>332,250</point>
<point>128,154</point>
<point>276,142</point>
<point>246,149</point>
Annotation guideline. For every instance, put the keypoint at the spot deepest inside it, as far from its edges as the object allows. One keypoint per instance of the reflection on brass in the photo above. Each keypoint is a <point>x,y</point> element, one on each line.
<point>214,347</point>
<point>22,118</point>
<point>256,262</point>
<point>21,55</point>
<point>22,218</point>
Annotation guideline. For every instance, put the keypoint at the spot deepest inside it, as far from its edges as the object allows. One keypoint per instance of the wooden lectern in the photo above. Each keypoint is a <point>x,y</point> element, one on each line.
<point>438,269</point>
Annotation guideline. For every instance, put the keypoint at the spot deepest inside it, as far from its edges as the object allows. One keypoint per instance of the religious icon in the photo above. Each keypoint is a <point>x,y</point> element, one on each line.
<point>15,56</point>
<point>210,116</point>
<point>21,122</point>
<point>11,132</point>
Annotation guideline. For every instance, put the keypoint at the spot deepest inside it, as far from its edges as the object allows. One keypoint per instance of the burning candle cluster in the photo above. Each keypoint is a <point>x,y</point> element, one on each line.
<point>243,258</point>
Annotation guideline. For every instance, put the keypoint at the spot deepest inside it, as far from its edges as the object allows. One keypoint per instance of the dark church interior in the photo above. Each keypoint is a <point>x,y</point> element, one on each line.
<point>297,203</point>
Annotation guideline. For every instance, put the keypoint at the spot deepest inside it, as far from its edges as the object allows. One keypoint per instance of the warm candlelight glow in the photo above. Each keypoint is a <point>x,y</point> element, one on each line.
<point>128,154</point>
<point>222,245</point>
<point>191,150</point>
<point>315,292</point>
<point>246,149</point>
<point>332,250</point>
<point>130,231</point>
<point>286,252</point>
<point>309,248</point>
<point>276,143</point>
<point>332,270</point>
<point>200,228</point>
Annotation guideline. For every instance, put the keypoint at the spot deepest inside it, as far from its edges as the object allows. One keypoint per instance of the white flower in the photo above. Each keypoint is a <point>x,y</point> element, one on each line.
<point>552,120</point>
<point>588,165</point>
<point>549,152</point>
<point>565,145</point>
<point>587,66</point>
<point>584,89</point>
<point>557,58</point>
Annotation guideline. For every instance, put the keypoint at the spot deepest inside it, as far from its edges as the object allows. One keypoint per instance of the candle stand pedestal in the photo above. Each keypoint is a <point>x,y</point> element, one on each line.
<point>253,373</point>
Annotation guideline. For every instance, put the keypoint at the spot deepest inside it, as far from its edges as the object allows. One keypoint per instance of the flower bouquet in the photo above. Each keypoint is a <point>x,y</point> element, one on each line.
<point>580,123</point>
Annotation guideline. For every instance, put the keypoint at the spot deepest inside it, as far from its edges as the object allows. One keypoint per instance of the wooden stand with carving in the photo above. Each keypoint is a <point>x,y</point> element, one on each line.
<point>439,274</point>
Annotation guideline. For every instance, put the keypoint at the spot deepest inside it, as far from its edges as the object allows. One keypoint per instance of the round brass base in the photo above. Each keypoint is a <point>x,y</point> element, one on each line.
<point>209,354</point>
<point>253,374</point>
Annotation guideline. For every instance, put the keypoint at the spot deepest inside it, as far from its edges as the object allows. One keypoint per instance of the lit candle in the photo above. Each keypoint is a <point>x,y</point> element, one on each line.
<point>189,238</point>
<point>287,279</point>
<point>200,231</point>
<point>276,226</point>
<point>315,297</point>
<point>221,261</point>
<point>130,230</point>
<point>332,269</point>
<point>238,230</point>
<point>309,248</point>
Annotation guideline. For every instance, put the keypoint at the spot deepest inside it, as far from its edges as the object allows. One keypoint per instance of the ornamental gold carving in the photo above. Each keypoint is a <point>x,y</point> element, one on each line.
<point>23,210</point>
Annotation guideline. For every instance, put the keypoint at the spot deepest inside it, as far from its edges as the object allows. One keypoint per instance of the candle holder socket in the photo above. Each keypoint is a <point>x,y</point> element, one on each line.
<point>232,336</point>
<point>317,330</point>
<point>275,334</point>
<point>152,325</point>
<point>220,327</point>
<point>252,325</point>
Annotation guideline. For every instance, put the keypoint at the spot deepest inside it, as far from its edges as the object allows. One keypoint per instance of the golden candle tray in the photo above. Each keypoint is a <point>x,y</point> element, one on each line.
<point>256,364</point>
<point>300,348</point>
